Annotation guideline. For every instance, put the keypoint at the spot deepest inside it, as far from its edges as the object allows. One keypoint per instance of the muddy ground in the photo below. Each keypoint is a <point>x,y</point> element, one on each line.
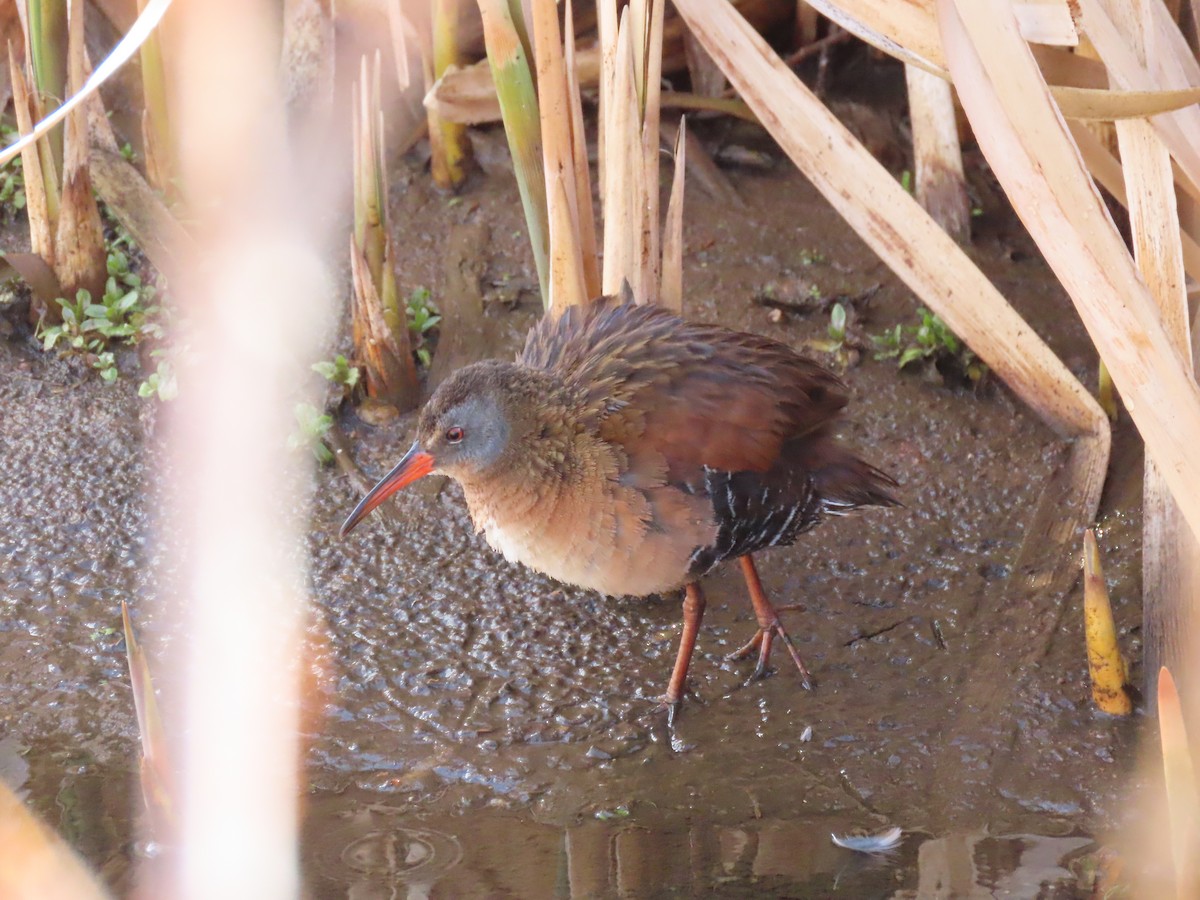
<point>488,732</point>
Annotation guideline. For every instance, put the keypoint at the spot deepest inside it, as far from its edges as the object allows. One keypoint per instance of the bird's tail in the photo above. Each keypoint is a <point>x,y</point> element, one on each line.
<point>847,482</point>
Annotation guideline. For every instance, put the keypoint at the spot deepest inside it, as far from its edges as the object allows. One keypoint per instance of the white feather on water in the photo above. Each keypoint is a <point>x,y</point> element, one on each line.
<point>870,843</point>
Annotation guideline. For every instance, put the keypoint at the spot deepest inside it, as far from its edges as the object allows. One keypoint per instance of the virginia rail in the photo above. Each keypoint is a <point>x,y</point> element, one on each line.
<point>630,452</point>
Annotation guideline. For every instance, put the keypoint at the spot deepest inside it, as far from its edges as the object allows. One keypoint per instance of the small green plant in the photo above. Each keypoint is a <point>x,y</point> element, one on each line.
<point>313,425</point>
<point>906,180</point>
<point>12,178</point>
<point>339,371</point>
<point>929,342</point>
<point>422,319</point>
<point>837,325</point>
<point>125,313</point>
<point>161,382</point>
<point>844,340</point>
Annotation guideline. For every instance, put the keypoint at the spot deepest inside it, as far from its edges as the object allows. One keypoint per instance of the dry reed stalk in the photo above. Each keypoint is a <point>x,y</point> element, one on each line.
<point>1090,104</point>
<point>706,76</point>
<point>671,293</point>
<point>1107,171</point>
<point>1030,150</point>
<point>605,77</point>
<point>896,227</point>
<point>64,221</point>
<point>35,863</point>
<point>1172,67</point>
<point>79,251</point>
<point>700,166</point>
<point>909,31</point>
<point>937,158</point>
<point>468,95</point>
<point>726,106</point>
<point>1106,393</point>
<point>651,93</point>
<point>448,141</point>
<point>1183,802</point>
<point>624,191</point>
<point>142,27</point>
<point>46,29</point>
<point>157,142</point>
<point>586,213</point>
<point>556,115</point>
<point>1106,666</point>
<point>566,264</point>
<point>381,340</point>
<point>37,198</point>
<point>158,791</point>
<point>629,133</point>
<point>1170,552</point>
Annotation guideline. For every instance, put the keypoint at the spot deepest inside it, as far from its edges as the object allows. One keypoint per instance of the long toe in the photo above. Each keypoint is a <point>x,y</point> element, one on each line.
<point>748,648</point>
<point>768,626</point>
<point>763,641</point>
<point>805,677</point>
<point>764,653</point>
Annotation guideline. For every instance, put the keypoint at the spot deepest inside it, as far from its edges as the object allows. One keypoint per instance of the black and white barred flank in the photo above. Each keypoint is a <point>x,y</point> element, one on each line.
<point>756,510</point>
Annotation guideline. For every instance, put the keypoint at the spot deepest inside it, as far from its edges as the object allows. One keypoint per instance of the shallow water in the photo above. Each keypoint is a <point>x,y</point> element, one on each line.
<point>485,731</point>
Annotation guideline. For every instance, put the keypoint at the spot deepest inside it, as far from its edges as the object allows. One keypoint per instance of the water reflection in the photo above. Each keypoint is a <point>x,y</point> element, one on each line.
<point>381,852</point>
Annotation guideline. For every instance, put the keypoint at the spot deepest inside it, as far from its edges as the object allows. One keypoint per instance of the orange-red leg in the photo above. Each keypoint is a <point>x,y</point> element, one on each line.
<point>769,627</point>
<point>693,612</point>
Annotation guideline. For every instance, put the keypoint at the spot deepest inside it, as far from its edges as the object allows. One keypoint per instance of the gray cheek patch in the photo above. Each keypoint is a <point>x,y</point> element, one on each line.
<point>486,426</point>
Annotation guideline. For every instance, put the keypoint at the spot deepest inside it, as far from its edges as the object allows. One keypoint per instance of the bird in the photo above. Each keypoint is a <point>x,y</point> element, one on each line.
<point>629,451</point>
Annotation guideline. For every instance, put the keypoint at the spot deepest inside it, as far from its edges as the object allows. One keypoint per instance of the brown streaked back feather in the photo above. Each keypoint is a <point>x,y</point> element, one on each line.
<point>684,396</point>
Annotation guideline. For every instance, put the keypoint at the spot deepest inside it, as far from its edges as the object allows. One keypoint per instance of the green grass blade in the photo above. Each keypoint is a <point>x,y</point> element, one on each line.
<point>48,52</point>
<point>509,59</point>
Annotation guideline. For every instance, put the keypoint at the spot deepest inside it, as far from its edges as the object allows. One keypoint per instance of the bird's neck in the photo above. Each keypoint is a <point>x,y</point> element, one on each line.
<point>551,456</point>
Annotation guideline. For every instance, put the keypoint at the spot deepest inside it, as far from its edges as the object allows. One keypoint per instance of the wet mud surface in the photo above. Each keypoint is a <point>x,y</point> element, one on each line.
<point>488,732</point>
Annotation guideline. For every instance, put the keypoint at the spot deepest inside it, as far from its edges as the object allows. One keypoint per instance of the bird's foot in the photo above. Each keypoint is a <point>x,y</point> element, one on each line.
<point>762,642</point>
<point>670,705</point>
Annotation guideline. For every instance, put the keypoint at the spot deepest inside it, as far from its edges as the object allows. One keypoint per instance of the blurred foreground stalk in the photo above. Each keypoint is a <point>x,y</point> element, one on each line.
<point>239,512</point>
<point>35,864</point>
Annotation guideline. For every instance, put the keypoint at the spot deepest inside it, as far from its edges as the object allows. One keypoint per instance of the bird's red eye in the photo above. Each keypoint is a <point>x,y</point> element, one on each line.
<point>454,435</point>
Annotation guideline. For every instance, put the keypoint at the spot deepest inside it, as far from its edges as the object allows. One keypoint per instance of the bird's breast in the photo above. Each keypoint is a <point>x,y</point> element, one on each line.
<point>598,534</point>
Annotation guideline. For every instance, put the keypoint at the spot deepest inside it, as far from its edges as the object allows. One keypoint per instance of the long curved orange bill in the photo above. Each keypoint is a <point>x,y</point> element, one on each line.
<point>416,464</point>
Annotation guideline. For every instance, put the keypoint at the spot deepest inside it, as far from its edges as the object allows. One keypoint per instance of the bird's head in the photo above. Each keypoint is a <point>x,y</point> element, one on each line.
<point>466,430</point>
